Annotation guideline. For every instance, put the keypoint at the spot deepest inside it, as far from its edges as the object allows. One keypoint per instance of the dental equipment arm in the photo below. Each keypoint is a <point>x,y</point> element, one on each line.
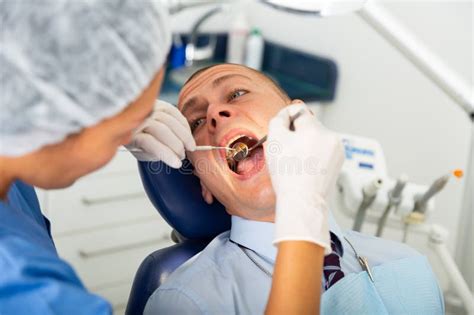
<point>394,199</point>
<point>164,136</point>
<point>369,193</point>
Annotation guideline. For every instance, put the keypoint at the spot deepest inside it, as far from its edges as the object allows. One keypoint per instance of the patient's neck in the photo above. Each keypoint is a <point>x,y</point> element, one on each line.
<point>267,216</point>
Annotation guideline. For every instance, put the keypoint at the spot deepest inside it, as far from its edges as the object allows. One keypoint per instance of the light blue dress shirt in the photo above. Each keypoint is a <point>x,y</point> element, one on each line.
<point>223,280</point>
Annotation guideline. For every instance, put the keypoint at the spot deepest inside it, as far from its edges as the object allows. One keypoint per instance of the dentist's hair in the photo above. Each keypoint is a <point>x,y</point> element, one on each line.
<point>282,93</point>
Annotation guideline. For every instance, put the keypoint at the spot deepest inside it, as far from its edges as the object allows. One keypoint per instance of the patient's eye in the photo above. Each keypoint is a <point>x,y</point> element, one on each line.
<point>236,93</point>
<point>196,123</point>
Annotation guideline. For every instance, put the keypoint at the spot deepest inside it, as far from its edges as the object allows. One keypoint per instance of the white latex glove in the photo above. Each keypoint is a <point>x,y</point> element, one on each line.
<point>164,136</point>
<point>303,165</point>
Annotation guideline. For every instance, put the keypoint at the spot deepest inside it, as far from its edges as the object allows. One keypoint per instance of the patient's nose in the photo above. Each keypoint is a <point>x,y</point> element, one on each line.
<point>218,117</point>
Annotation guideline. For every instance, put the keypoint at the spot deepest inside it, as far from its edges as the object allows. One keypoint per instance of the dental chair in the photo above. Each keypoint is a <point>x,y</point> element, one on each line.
<point>176,194</point>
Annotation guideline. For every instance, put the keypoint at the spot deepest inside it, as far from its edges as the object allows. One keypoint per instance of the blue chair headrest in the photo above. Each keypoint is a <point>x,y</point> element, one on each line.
<point>176,194</point>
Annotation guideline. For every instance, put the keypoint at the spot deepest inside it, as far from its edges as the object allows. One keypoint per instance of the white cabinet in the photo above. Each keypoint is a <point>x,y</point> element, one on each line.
<point>104,226</point>
<point>99,201</point>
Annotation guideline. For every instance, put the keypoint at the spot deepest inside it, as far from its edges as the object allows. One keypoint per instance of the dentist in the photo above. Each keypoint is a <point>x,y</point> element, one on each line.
<point>78,80</point>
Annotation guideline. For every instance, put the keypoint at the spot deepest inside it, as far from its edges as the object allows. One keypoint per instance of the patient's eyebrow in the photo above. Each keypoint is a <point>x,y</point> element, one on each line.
<point>219,80</point>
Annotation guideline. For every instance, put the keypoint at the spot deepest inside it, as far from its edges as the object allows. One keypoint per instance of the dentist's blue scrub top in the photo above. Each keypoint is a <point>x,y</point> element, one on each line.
<point>33,279</point>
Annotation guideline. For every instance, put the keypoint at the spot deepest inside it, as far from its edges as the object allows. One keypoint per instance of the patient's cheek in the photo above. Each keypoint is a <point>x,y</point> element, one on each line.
<point>198,157</point>
<point>200,168</point>
<point>264,194</point>
<point>202,164</point>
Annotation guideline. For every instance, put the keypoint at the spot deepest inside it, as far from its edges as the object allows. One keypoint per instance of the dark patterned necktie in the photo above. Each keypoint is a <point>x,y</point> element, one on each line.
<point>332,266</point>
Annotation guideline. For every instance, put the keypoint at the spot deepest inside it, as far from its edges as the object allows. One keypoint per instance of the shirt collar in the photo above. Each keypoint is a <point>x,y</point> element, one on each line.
<point>255,235</point>
<point>258,236</point>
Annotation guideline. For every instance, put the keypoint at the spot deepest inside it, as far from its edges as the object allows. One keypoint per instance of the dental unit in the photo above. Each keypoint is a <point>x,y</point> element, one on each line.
<point>399,204</point>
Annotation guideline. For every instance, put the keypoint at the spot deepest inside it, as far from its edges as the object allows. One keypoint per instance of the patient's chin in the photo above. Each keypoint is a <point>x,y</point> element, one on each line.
<point>251,199</point>
<point>252,203</point>
<point>259,202</point>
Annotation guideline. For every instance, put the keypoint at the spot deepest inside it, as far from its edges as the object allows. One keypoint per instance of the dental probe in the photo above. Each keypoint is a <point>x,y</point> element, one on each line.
<point>394,199</point>
<point>369,193</point>
<point>210,147</point>
<point>198,148</point>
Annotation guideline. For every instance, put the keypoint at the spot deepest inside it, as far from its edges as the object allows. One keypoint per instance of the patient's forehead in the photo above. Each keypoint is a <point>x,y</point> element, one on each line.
<point>206,77</point>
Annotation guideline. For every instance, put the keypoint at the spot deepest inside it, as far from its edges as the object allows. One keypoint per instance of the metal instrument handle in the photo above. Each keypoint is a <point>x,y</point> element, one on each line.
<point>100,200</point>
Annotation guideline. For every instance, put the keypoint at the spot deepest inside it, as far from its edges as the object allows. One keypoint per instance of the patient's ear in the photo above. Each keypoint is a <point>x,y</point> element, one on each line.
<point>206,194</point>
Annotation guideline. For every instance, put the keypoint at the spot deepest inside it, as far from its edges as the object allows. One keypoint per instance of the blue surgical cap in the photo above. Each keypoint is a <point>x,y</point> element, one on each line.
<point>66,65</point>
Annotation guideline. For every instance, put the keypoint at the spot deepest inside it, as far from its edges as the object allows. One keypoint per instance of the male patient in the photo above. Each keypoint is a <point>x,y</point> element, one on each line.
<point>225,104</point>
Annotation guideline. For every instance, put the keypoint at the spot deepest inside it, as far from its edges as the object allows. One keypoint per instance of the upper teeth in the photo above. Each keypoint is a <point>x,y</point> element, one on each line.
<point>235,138</point>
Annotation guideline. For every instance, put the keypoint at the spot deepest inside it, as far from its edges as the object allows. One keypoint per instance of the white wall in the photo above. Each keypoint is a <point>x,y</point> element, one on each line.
<point>381,95</point>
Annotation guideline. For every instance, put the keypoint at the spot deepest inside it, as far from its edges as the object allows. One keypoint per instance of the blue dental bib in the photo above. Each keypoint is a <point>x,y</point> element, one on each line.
<point>404,286</point>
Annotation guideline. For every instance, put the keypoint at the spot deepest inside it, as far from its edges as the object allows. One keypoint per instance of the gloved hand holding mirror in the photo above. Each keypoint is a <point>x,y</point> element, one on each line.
<point>164,136</point>
<point>304,164</point>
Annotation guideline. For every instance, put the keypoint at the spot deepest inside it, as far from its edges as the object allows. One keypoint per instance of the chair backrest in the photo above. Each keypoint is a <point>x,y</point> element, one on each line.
<point>176,194</point>
<point>155,269</point>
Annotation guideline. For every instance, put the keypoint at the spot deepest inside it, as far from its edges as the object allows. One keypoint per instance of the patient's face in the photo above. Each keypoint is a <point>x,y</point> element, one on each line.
<point>222,104</point>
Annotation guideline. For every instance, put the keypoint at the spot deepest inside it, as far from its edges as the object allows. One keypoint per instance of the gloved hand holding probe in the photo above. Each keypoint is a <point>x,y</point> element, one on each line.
<point>304,164</point>
<point>164,136</point>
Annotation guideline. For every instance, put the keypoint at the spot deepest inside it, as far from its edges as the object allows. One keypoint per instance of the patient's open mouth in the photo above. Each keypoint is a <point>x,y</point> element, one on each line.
<point>249,165</point>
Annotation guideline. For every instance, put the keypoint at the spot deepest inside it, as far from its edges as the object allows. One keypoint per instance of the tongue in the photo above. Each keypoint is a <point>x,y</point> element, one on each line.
<point>250,162</point>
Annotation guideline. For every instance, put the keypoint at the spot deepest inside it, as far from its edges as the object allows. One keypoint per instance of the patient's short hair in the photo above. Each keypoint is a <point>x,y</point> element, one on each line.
<point>265,77</point>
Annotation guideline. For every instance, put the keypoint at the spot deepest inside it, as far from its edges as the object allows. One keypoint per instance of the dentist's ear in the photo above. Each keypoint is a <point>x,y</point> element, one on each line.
<point>206,194</point>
